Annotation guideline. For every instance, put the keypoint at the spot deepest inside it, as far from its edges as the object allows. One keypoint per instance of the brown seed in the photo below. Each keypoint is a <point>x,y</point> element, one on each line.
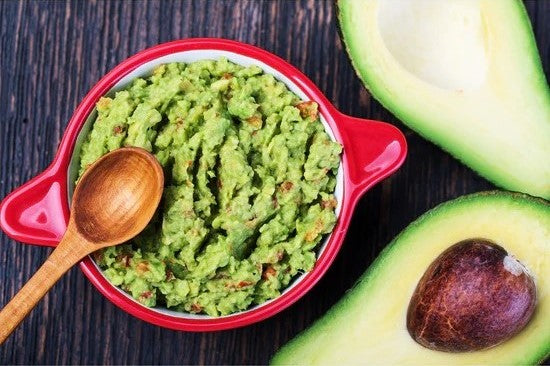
<point>473,296</point>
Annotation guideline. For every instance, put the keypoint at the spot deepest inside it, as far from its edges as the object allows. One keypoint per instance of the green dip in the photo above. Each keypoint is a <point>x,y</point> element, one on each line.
<point>250,175</point>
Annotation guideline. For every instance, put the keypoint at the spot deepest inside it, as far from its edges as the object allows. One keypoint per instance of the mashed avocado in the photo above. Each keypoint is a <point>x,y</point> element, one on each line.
<point>250,175</point>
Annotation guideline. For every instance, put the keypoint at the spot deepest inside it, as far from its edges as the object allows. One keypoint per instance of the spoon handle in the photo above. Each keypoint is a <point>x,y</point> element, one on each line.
<point>61,259</point>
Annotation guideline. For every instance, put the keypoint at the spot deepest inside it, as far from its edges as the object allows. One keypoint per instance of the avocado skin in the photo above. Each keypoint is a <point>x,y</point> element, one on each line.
<point>498,178</point>
<point>540,205</point>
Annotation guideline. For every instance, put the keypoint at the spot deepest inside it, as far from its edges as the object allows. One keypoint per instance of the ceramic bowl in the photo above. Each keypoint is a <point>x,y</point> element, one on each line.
<point>38,211</point>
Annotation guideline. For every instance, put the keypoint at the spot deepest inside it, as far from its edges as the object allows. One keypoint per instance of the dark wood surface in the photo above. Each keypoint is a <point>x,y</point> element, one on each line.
<point>51,53</point>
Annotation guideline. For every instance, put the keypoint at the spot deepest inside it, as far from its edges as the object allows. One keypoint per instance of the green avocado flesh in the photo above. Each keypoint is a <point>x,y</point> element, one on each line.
<point>368,325</point>
<point>465,74</point>
<point>249,179</point>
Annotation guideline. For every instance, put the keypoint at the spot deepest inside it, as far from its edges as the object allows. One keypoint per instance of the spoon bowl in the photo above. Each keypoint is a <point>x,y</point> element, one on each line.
<point>113,202</point>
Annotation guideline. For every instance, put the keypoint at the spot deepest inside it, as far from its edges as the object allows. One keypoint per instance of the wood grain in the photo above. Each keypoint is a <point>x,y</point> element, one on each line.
<point>69,252</point>
<point>52,52</point>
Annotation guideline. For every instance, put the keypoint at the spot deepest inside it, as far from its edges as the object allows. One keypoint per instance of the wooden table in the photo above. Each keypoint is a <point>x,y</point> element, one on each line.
<point>51,53</point>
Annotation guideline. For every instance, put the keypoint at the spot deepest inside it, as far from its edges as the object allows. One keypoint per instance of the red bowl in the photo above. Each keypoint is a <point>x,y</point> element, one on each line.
<point>38,211</point>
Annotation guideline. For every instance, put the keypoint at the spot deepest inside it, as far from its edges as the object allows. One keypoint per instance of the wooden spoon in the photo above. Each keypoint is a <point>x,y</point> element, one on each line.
<point>113,202</point>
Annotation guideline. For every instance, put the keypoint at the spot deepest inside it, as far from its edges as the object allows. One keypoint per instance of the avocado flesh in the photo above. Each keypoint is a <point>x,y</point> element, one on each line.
<point>368,325</point>
<point>465,74</point>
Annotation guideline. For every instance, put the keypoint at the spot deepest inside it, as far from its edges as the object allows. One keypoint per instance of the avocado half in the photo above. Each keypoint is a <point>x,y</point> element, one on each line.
<point>465,74</point>
<point>368,325</point>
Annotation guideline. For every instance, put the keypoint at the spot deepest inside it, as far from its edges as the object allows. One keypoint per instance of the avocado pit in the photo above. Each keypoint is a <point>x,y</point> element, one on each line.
<point>473,296</point>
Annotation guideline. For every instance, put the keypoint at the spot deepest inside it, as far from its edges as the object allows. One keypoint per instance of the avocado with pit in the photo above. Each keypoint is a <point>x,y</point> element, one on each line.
<point>466,283</point>
<point>464,74</point>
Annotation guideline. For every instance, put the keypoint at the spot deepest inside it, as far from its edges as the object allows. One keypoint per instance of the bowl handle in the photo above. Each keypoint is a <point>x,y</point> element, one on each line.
<point>373,149</point>
<point>37,212</point>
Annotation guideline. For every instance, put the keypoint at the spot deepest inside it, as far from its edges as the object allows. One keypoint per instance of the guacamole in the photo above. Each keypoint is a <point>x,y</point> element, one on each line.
<point>250,175</point>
